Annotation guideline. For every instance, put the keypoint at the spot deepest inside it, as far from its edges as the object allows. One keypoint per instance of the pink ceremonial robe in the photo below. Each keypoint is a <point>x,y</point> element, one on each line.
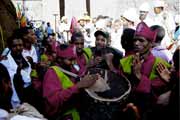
<point>54,94</point>
<point>81,61</point>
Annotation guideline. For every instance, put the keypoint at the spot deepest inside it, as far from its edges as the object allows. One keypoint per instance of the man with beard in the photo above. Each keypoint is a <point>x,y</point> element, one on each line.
<point>140,68</point>
<point>102,56</point>
<point>61,86</point>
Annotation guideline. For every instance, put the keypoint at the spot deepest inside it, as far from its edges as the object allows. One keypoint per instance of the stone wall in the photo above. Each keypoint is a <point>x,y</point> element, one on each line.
<point>7,21</point>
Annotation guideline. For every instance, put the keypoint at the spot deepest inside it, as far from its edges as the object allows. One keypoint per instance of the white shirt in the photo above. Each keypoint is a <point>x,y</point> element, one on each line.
<point>32,53</point>
<point>63,28</point>
<point>116,40</point>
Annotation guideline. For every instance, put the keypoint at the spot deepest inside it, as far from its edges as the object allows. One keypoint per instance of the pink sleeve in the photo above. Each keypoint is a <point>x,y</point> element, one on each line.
<point>146,85</point>
<point>53,93</point>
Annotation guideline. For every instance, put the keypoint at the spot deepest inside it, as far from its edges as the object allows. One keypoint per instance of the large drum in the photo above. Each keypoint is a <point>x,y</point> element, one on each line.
<point>110,87</point>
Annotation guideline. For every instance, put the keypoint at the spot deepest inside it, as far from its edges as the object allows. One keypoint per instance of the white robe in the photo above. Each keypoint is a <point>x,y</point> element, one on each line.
<point>11,66</point>
<point>165,20</point>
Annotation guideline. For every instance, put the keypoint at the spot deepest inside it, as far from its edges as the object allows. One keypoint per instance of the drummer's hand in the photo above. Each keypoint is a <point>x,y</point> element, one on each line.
<point>91,63</point>
<point>109,57</point>
<point>137,64</point>
<point>98,59</point>
<point>94,61</point>
<point>87,81</point>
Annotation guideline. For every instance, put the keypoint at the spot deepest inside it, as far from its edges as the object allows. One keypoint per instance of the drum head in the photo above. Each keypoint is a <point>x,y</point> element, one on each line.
<point>110,87</point>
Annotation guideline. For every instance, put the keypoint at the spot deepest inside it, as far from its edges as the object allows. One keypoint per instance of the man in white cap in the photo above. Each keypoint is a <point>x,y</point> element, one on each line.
<point>130,18</point>
<point>144,14</point>
<point>165,19</point>
<point>64,29</point>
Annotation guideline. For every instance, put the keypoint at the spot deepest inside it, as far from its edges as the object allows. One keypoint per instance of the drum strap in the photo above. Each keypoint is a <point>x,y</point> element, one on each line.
<point>66,83</point>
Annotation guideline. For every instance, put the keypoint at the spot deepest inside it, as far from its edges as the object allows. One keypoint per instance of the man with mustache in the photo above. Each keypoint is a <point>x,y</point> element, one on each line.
<point>140,68</point>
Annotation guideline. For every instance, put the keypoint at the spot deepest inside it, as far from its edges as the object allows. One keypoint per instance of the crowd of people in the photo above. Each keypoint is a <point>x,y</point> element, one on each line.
<point>44,74</point>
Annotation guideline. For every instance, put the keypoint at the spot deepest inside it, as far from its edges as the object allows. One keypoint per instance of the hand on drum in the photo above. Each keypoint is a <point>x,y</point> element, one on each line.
<point>100,85</point>
<point>87,81</point>
<point>95,60</point>
<point>109,57</point>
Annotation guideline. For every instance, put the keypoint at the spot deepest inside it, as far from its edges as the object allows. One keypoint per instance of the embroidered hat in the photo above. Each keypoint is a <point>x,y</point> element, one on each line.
<point>65,51</point>
<point>143,30</point>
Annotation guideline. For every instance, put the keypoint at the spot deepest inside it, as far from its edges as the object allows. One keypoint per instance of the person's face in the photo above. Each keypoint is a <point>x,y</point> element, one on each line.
<point>157,10</point>
<point>65,21</point>
<point>79,42</point>
<point>143,15</point>
<point>141,45</point>
<point>109,24</point>
<point>17,46</point>
<point>81,22</point>
<point>68,62</point>
<point>100,41</point>
<point>52,38</point>
<point>31,37</point>
<point>116,26</point>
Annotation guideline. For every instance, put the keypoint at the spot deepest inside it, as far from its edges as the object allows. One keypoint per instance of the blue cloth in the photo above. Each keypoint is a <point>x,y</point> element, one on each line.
<point>177,34</point>
<point>49,30</point>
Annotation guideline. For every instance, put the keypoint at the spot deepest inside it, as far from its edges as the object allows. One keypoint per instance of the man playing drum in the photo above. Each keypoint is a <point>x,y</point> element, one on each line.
<point>60,86</point>
<point>100,55</point>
